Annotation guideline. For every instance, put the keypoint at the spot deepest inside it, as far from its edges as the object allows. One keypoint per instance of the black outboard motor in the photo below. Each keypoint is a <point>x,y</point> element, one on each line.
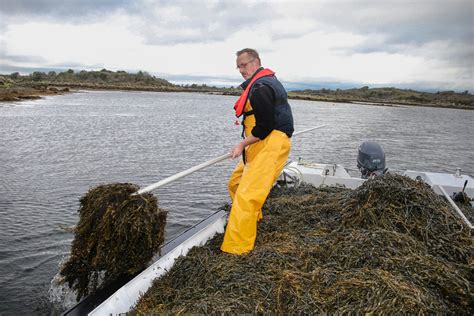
<point>371,159</point>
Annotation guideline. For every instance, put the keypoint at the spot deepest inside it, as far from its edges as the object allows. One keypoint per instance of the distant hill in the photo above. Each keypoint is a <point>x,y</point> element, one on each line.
<point>388,96</point>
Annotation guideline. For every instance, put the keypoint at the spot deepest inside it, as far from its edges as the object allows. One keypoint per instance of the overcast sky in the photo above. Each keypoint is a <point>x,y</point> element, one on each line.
<point>419,43</point>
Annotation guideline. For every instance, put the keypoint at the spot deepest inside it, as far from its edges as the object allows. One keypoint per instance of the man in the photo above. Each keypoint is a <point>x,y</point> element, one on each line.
<point>268,125</point>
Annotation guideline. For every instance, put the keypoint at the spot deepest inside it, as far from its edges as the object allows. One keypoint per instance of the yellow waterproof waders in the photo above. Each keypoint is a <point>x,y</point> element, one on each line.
<point>250,184</point>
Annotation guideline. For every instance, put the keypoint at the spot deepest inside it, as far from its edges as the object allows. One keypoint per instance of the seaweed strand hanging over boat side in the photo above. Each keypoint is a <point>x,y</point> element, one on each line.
<point>117,234</point>
<point>390,246</point>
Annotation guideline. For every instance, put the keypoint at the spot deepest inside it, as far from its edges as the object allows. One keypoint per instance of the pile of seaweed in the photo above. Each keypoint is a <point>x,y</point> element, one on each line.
<point>390,246</point>
<point>468,211</point>
<point>117,235</point>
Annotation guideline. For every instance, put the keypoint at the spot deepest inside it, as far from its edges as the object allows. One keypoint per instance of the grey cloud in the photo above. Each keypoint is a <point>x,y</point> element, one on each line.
<point>6,58</point>
<point>414,22</point>
<point>21,58</point>
<point>402,23</point>
<point>59,8</point>
<point>196,21</point>
<point>202,22</point>
<point>408,27</point>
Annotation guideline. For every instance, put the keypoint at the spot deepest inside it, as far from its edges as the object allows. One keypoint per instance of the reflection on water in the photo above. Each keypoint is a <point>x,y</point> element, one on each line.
<point>53,150</point>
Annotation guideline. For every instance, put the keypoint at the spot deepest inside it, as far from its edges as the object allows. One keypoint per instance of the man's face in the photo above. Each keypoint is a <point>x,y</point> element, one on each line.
<point>247,65</point>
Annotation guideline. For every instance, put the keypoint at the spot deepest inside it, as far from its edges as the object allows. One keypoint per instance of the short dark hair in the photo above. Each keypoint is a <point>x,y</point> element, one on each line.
<point>251,52</point>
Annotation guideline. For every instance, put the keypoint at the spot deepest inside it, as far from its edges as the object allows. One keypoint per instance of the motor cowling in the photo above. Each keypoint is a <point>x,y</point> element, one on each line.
<point>371,159</point>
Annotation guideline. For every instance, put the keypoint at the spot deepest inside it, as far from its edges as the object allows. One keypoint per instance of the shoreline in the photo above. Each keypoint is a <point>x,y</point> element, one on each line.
<point>382,103</point>
<point>21,93</point>
<point>16,94</point>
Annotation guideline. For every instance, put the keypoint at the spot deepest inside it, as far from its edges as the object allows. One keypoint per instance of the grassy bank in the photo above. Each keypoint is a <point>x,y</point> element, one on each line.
<point>10,90</point>
<point>389,96</point>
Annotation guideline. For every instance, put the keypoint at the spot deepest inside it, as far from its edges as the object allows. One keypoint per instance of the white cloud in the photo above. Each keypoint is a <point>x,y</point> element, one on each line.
<point>93,43</point>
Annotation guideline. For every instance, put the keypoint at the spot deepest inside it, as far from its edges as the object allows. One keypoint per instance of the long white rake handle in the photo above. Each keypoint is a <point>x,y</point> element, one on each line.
<point>186,172</point>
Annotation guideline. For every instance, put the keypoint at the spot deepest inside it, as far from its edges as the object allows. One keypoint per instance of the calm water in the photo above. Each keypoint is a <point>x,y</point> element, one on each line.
<point>53,150</point>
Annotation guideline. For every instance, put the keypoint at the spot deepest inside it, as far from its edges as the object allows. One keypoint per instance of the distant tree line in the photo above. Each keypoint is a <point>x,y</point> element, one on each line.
<point>101,76</point>
<point>107,79</point>
<point>388,95</point>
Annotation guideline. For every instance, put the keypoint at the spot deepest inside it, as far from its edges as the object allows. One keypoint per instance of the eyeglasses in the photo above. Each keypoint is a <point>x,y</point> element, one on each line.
<point>243,65</point>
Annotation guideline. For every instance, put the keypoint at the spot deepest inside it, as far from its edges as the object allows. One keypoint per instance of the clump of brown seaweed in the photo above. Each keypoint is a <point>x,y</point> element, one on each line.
<point>390,246</point>
<point>117,235</point>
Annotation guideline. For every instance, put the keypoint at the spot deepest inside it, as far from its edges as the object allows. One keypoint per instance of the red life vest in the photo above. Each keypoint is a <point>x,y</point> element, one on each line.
<point>240,104</point>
